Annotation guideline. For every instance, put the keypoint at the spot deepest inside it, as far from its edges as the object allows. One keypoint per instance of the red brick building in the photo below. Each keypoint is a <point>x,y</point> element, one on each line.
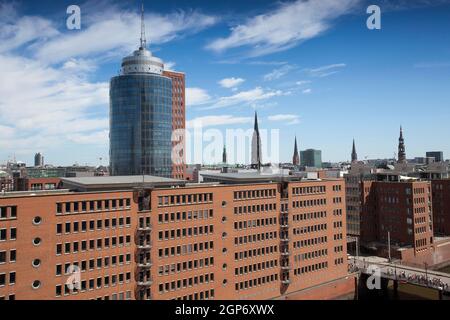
<point>34,184</point>
<point>161,239</point>
<point>441,206</point>
<point>402,209</point>
<point>178,122</point>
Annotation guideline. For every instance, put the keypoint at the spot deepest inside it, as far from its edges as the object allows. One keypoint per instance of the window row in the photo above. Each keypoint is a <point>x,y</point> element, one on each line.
<point>311,255</point>
<point>311,268</point>
<point>309,203</point>
<point>4,234</point>
<point>308,190</point>
<point>9,279</point>
<point>242,225</point>
<point>185,232</point>
<point>9,212</point>
<point>254,194</point>
<point>203,295</point>
<point>185,249</point>
<point>309,216</point>
<point>93,206</point>
<point>257,252</point>
<point>185,215</point>
<point>256,208</point>
<point>92,225</point>
<point>91,284</point>
<point>253,283</point>
<point>5,257</point>
<point>91,264</point>
<point>174,200</point>
<point>185,283</point>
<point>309,229</point>
<point>255,267</point>
<point>185,266</point>
<point>255,237</point>
<point>310,242</point>
<point>92,244</point>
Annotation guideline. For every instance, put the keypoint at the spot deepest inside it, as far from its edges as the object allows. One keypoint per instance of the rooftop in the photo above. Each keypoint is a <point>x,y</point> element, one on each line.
<point>118,182</point>
<point>251,177</point>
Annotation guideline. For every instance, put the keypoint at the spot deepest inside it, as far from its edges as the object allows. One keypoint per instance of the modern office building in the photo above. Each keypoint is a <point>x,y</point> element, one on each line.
<point>147,104</point>
<point>38,160</point>
<point>437,155</point>
<point>311,158</point>
<point>244,236</point>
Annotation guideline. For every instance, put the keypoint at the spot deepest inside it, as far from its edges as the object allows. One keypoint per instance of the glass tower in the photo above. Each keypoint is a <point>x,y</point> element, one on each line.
<point>141,117</point>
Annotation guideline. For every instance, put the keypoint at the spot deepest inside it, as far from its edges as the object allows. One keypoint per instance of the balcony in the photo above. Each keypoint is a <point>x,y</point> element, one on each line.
<point>285,253</point>
<point>145,264</point>
<point>285,268</point>
<point>145,228</point>
<point>285,239</point>
<point>144,246</point>
<point>144,283</point>
<point>285,281</point>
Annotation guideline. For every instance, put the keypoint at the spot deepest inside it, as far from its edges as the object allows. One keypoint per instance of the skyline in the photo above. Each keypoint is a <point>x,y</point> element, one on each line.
<point>54,90</point>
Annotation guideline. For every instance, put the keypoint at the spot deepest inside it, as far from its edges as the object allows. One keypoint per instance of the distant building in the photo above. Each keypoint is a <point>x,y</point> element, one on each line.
<point>441,206</point>
<point>38,160</point>
<point>437,155</point>
<point>311,158</point>
<point>354,154</point>
<point>256,145</point>
<point>296,156</point>
<point>401,148</point>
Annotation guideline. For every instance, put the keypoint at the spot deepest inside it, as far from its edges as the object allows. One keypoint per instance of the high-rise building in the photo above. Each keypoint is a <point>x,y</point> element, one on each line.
<point>296,156</point>
<point>401,148</point>
<point>311,158</point>
<point>437,155</point>
<point>146,105</point>
<point>256,145</point>
<point>38,160</point>
<point>245,237</point>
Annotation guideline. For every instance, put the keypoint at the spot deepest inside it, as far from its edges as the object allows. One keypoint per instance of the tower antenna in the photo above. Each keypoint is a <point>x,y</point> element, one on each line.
<point>143,40</point>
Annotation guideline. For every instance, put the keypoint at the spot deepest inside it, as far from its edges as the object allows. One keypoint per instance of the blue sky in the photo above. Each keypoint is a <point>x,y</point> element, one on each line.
<point>310,68</point>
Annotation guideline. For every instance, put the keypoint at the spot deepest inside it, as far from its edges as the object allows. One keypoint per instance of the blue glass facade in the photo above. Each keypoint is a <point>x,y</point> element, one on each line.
<point>141,125</point>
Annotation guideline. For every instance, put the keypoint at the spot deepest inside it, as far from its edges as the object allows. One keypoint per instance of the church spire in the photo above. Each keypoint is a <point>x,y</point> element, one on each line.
<point>256,145</point>
<point>401,148</point>
<point>354,154</point>
<point>224,154</point>
<point>143,38</point>
<point>296,157</point>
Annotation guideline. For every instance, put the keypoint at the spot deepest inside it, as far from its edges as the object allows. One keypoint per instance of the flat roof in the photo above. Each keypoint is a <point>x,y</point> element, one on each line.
<point>118,182</point>
<point>248,177</point>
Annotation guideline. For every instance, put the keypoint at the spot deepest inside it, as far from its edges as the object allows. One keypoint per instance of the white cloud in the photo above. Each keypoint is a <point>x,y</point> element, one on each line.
<point>169,65</point>
<point>231,82</point>
<point>210,121</point>
<point>196,96</point>
<point>302,82</point>
<point>307,91</point>
<point>245,97</point>
<point>325,71</point>
<point>278,73</point>
<point>289,119</point>
<point>284,27</point>
<point>114,33</point>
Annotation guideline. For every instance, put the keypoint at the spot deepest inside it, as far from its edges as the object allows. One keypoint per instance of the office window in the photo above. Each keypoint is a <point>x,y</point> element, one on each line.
<point>2,257</point>
<point>12,256</point>
<point>13,234</point>
<point>2,234</point>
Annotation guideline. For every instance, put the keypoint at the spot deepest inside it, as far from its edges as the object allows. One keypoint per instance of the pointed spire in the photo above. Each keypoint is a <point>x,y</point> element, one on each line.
<point>224,154</point>
<point>296,157</point>
<point>256,122</point>
<point>143,39</point>
<point>401,148</point>
<point>354,154</point>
